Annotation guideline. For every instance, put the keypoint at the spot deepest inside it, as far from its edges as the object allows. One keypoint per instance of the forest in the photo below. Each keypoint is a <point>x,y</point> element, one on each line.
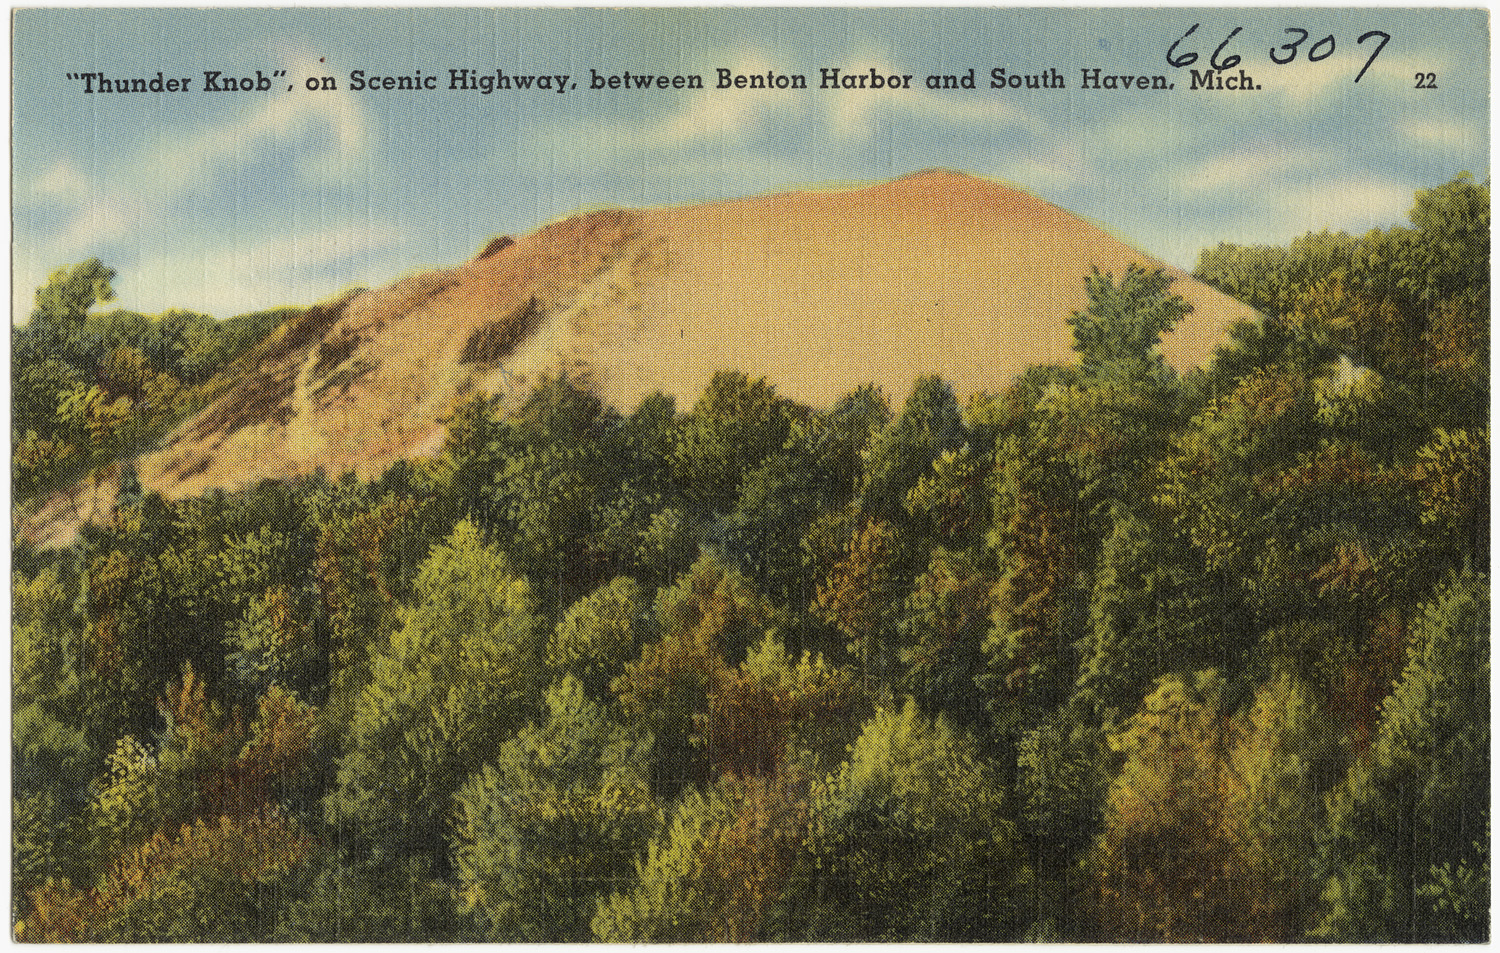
<point>1118,654</point>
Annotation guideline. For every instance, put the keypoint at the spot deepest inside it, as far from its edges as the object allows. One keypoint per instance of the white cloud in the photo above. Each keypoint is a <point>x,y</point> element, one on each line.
<point>1302,189</point>
<point>1427,132</point>
<point>1354,204</point>
<point>1059,170</point>
<point>59,180</point>
<point>264,272</point>
<point>729,113</point>
<point>326,133</point>
<point>715,120</point>
<point>324,137</point>
<point>857,114</point>
<point>79,210</point>
<point>295,122</point>
<point>1245,169</point>
<point>1286,210</point>
<point>234,277</point>
<point>729,118</point>
<point>102,220</point>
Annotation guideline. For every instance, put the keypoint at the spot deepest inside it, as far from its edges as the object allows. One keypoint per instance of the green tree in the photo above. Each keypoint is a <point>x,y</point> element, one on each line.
<point>903,452</point>
<point>834,440</point>
<point>456,679</point>
<point>223,880</point>
<point>714,872</point>
<point>46,701</point>
<point>861,598</point>
<point>1164,863</point>
<point>776,714</point>
<point>35,390</point>
<point>1452,482</point>
<point>50,756</point>
<point>553,823</point>
<point>1150,613</point>
<point>733,427</point>
<point>1035,614</point>
<point>1062,778</point>
<point>1283,763</point>
<point>196,837</point>
<point>1452,257</point>
<point>65,300</point>
<point>764,533</point>
<point>952,499</point>
<point>911,841</point>
<point>599,634</point>
<point>712,616</point>
<point>942,631</point>
<point>545,499</point>
<point>1410,303</point>
<point>1118,334</point>
<point>1414,805</point>
<point>368,549</point>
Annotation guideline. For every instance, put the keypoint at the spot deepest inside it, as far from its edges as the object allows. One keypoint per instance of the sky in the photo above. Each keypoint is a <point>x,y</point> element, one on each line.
<point>230,202</point>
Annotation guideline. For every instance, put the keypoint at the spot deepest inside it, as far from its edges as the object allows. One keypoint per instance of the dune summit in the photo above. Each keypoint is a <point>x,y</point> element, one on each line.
<point>819,291</point>
<point>936,272</point>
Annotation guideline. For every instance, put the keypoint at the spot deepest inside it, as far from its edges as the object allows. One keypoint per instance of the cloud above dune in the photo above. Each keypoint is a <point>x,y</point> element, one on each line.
<point>171,192</point>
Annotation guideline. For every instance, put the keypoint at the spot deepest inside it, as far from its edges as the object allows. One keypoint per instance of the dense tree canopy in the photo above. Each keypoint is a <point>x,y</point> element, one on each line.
<point>91,389</point>
<point>1113,654</point>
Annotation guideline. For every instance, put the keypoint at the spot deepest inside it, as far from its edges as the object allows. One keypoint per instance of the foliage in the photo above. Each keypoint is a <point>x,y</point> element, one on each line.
<point>1062,777</point>
<point>46,691</point>
<point>860,598</point>
<point>714,872</point>
<point>65,300</point>
<point>900,454</point>
<point>910,840</point>
<point>735,425</point>
<point>193,838</point>
<point>599,634</point>
<point>213,881</point>
<point>456,678</point>
<point>90,389</point>
<point>1116,337</point>
<point>764,532</point>
<point>1110,654</point>
<point>777,713</point>
<point>1164,857</point>
<point>1282,765</point>
<point>553,822</point>
<point>711,615</point>
<point>942,636</point>
<point>1407,829</point>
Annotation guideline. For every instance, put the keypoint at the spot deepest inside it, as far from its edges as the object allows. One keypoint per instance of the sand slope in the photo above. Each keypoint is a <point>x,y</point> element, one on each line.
<point>819,291</point>
<point>932,273</point>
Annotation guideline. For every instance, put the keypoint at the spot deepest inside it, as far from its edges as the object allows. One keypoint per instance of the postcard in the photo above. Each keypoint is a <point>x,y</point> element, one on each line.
<point>750,474</point>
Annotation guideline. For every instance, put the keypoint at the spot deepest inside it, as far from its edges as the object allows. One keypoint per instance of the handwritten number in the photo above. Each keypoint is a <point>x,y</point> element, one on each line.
<point>1291,47</point>
<point>1286,52</point>
<point>1384,39</point>
<point>1229,62</point>
<point>1186,59</point>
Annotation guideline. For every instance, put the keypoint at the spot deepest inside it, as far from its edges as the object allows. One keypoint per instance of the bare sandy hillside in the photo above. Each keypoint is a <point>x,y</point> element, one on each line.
<point>818,291</point>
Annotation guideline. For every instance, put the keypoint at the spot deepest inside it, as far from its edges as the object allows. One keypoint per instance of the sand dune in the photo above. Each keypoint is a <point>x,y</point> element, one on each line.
<point>933,273</point>
<point>819,291</point>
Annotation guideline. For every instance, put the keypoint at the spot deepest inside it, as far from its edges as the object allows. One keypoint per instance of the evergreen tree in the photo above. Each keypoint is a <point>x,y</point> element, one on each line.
<point>1405,850</point>
<point>555,821</point>
<point>911,841</point>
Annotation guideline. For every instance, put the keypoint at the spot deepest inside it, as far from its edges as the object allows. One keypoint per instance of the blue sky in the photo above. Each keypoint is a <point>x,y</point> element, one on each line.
<point>226,203</point>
